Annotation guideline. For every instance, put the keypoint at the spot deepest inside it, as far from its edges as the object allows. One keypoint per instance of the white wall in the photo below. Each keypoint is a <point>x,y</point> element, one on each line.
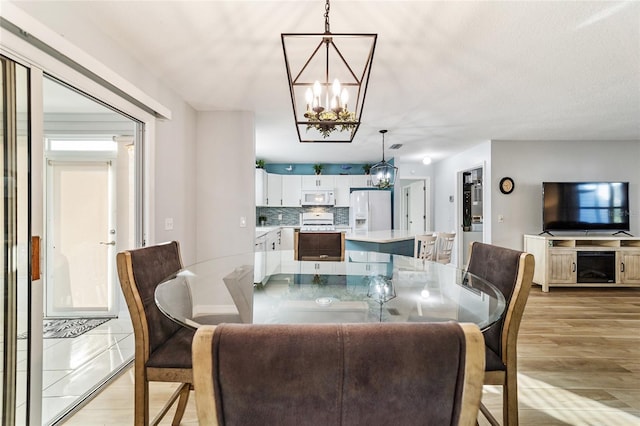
<point>225,167</point>
<point>174,150</point>
<point>175,179</point>
<point>530,163</point>
<point>447,182</point>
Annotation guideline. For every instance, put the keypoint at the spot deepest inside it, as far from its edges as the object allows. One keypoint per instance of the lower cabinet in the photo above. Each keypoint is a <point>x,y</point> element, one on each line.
<point>286,239</point>
<point>563,267</point>
<point>629,267</point>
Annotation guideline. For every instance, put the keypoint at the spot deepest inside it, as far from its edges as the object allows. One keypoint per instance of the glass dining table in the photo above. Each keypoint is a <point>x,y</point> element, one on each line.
<point>271,287</point>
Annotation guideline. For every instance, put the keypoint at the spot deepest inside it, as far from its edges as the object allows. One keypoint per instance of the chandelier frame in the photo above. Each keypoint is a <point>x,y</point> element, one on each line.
<point>324,123</point>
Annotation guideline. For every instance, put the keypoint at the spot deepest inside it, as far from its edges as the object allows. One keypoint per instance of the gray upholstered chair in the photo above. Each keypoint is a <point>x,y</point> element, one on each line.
<point>424,247</point>
<point>512,272</point>
<point>162,347</point>
<point>338,374</point>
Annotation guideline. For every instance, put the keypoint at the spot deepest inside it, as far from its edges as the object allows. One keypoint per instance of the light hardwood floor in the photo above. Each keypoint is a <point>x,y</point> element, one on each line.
<point>579,364</point>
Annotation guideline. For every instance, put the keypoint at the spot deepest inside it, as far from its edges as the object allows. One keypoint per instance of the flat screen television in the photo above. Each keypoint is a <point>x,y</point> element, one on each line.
<point>585,206</point>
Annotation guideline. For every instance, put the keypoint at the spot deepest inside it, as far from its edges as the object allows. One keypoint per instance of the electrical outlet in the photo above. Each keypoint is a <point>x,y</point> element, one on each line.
<point>168,223</point>
<point>280,216</point>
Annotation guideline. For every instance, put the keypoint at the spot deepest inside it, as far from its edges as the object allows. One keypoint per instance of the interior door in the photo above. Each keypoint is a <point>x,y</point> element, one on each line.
<point>80,239</point>
<point>416,207</point>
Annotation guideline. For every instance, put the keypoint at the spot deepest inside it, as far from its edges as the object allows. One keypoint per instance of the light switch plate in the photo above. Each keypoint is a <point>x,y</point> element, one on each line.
<point>243,222</point>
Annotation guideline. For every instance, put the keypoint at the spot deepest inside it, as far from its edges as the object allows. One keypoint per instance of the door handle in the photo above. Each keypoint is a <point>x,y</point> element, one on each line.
<point>35,258</point>
<point>110,243</point>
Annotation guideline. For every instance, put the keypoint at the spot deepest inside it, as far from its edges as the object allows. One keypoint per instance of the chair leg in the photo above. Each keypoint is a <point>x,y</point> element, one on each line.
<point>141,401</point>
<point>182,404</point>
<point>510,399</point>
<point>179,392</point>
<point>487,414</point>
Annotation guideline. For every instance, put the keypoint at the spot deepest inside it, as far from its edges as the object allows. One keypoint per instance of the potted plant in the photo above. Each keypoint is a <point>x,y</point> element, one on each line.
<point>259,164</point>
<point>318,168</point>
<point>366,168</point>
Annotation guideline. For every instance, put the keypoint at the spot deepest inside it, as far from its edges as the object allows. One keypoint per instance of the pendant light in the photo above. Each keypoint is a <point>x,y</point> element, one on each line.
<point>329,86</point>
<point>383,174</point>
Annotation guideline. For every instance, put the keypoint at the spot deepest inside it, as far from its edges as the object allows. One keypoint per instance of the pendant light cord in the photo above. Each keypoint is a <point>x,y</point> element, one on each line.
<point>326,18</point>
<point>383,132</point>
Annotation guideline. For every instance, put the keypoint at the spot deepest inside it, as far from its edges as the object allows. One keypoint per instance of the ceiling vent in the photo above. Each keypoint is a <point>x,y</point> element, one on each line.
<point>396,146</point>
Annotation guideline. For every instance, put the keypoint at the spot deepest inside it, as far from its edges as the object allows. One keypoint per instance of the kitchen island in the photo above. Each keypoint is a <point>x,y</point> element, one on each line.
<point>393,241</point>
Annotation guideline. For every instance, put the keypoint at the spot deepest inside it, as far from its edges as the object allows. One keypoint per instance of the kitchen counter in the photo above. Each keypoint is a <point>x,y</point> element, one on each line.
<point>387,236</point>
<point>393,241</point>
<point>264,230</point>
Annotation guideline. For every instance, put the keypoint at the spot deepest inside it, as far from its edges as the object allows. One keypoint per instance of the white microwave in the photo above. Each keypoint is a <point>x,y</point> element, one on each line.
<point>318,197</point>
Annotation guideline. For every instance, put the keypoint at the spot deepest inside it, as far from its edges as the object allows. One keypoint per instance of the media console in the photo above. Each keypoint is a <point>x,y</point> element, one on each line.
<point>584,261</point>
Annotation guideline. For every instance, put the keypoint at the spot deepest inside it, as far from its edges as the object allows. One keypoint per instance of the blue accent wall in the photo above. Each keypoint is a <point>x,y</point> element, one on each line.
<point>307,169</point>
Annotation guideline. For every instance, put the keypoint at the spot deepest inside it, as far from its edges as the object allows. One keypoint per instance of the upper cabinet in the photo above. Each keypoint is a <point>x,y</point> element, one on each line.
<point>274,190</point>
<point>318,182</point>
<point>342,190</point>
<point>361,181</point>
<point>291,190</point>
<point>261,187</point>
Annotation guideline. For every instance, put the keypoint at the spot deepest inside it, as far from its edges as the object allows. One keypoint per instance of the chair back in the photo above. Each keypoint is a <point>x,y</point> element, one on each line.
<point>425,247</point>
<point>338,374</point>
<point>240,286</point>
<point>511,271</point>
<point>444,246</point>
<point>140,271</point>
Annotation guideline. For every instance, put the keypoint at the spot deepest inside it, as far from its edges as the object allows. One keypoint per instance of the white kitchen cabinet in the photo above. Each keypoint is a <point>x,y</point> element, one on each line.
<point>342,190</point>
<point>286,239</point>
<point>361,181</point>
<point>260,265</point>
<point>274,239</point>
<point>291,191</point>
<point>261,187</point>
<point>311,182</point>
<point>368,263</point>
<point>316,268</point>
<point>274,190</point>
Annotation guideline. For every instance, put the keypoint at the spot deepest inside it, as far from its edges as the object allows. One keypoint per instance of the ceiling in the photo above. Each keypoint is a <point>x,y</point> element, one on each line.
<point>445,76</point>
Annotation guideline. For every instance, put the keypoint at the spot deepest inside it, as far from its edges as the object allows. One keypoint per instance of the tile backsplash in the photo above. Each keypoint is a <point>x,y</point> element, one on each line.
<point>291,215</point>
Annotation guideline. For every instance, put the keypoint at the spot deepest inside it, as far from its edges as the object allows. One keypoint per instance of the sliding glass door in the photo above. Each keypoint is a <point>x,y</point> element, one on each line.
<point>16,246</point>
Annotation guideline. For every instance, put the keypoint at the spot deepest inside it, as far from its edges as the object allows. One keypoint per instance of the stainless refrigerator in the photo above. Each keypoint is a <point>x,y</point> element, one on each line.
<point>370,211</point>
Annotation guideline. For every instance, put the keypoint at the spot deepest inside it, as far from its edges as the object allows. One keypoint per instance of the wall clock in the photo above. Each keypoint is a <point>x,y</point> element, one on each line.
<point>506,185</point>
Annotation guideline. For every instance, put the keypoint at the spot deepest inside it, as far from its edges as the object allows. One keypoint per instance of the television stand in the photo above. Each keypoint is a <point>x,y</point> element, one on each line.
<point>558,263</point>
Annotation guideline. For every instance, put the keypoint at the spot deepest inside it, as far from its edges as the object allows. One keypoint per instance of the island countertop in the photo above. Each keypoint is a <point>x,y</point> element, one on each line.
<point>381,237</point>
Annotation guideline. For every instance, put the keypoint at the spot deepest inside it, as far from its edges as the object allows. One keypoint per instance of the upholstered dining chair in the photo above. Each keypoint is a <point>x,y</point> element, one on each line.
<point>444,246</point>
<point>338,374</point>
<point>162,347</point>
<point>424,247</point>
<point>512,272</point>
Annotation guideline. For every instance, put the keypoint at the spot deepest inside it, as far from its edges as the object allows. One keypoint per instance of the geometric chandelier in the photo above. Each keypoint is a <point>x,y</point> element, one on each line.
<point>328,76</point>
<point>383,174</point>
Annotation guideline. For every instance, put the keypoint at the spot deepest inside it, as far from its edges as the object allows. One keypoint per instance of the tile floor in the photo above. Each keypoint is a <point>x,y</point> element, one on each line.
<point>76,366</point>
